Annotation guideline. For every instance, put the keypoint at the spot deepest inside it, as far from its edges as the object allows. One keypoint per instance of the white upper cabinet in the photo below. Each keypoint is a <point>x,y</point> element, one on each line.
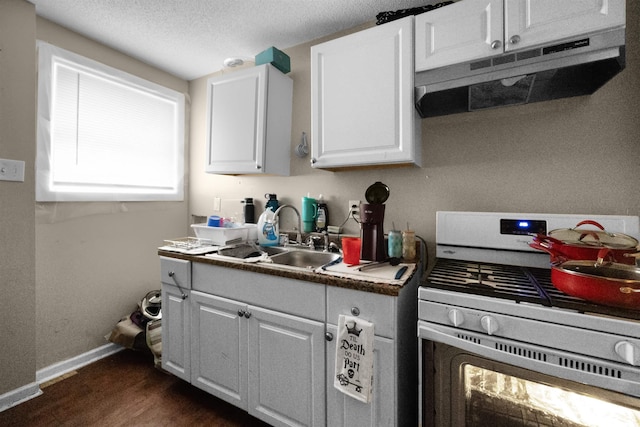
<point>249,122</point>
<point>475,29</point>
<point>362,110</point>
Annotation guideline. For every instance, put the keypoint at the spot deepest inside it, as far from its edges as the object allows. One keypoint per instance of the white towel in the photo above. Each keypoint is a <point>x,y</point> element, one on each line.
<point>354,358</point>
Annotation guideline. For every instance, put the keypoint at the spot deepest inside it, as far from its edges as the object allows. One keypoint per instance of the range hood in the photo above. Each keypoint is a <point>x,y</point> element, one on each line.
<point>557,70</point>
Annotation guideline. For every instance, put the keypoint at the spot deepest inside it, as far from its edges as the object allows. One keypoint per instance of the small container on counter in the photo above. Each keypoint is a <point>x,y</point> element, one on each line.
<point>249,211</point>
<point>394,243</point>
<point>408,245</point>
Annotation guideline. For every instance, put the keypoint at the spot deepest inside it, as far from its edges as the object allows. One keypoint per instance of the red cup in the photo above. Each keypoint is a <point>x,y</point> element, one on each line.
<point>351,250</point>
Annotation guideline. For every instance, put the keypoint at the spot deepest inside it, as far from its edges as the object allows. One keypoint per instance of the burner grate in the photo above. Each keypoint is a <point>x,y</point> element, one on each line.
<point>520,284</point>
<point>500,281</point>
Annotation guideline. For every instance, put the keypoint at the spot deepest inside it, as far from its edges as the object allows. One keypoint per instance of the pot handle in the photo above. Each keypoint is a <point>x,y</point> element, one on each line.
<point>602,254</point>
<point>545,239</point>
<point>556,257</point>
<point>590,222</point>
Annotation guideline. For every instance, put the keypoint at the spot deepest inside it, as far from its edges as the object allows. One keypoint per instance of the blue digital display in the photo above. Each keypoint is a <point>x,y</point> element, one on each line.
<point>522,226</point>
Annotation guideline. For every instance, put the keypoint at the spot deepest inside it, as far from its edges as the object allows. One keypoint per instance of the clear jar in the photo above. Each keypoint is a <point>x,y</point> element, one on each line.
<point>408,245</point>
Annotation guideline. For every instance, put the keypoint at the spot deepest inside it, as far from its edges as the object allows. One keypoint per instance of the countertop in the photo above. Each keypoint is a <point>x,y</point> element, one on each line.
<point>298,274</point>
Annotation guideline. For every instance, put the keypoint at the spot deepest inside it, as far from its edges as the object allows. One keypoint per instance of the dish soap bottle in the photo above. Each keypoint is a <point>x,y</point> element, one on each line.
<point>322,219</point>
<point>267,230</point>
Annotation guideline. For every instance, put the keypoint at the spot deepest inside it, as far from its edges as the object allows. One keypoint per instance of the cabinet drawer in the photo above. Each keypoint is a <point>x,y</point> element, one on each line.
<point>175,270</point>
<point>376,308</point>
<point>304,299</point>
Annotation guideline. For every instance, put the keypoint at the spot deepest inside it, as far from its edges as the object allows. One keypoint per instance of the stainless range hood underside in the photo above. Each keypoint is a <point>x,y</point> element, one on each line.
<point>564,70</point>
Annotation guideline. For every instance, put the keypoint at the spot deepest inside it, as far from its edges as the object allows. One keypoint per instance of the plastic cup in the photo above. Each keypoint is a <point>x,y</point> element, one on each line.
<point>351,250</point>
<point>214,221</point>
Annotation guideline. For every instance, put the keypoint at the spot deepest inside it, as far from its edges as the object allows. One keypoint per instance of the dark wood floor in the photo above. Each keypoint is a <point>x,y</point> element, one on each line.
<point>125,390</point>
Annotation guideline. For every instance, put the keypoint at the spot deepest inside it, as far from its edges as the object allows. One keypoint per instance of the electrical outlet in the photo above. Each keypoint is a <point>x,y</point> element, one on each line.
<point>216,204</point>
<point>354,207</point>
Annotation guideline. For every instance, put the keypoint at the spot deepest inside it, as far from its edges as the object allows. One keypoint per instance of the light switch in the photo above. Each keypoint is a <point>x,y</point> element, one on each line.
<point>11,170</point>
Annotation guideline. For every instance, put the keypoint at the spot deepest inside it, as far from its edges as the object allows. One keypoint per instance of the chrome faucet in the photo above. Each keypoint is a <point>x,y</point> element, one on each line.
<point>276,217</point>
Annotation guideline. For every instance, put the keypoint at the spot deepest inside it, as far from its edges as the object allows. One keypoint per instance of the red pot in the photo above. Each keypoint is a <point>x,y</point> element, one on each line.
<point>574,244</point>
<point>602,282</point>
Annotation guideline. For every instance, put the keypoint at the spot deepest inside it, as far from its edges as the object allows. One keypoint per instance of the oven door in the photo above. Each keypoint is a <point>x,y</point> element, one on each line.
<point>463,389</point>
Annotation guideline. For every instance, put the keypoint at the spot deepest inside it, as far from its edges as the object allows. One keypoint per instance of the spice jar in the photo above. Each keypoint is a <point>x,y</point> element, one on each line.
<point>408,245</point>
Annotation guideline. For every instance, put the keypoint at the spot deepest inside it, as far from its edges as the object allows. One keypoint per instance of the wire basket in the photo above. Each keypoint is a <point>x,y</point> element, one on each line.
<point>188,243</point>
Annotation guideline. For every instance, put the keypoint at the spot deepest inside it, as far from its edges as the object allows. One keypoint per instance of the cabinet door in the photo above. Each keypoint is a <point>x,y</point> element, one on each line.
<point>459,32</point>
<point>236,121</point>
<point>362,98</point>
<point>218,348</point>
<point>533,22</point>
<point>345,411</point>
<point>176,330</point>
<point>286,369</point>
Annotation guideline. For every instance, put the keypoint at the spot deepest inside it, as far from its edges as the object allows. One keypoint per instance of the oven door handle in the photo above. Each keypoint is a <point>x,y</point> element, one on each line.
<point>541,359</point>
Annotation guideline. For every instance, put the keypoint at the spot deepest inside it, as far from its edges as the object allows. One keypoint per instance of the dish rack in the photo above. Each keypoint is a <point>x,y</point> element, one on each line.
<point>189,243</point>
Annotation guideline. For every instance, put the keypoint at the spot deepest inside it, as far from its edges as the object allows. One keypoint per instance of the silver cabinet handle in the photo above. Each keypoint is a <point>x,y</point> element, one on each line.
<point>496,44</point>
<point>328,336</point>
<point>514,39</point>
<point>172,274</point>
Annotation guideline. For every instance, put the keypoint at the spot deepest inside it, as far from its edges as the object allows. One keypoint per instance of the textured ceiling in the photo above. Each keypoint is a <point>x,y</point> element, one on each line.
<point>191,38</point>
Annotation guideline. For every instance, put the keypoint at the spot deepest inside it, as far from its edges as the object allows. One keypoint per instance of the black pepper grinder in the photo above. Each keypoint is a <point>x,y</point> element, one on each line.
<point>249,211</point>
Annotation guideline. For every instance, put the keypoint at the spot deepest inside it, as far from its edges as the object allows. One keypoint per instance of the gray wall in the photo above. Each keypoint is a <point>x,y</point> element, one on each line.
<point>578,155</point>
<point>17,228</point>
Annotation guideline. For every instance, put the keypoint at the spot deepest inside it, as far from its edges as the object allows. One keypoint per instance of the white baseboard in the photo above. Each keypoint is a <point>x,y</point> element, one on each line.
<point>29,391</point>
<point>19,395</point>
<point>58,369</point>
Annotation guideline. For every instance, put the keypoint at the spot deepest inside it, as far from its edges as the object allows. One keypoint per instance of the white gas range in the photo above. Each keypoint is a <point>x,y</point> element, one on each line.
<point>490,295</point>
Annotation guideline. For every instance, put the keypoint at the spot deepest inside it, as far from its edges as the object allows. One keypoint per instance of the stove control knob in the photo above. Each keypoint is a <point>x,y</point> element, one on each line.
<point>489,324</point>
<point>628,352</point>
<point>456,317</point>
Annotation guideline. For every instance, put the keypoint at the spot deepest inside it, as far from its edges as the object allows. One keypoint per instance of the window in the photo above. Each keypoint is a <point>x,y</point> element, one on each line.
<point>105,135</point>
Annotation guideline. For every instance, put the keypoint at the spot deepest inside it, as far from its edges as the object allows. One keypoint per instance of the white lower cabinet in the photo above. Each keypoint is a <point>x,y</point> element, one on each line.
<point>395,349</point>
<point>219,348</point>
<point>260,360</point>
<point>343,410</point>
<point>261,342</point>
<point>176,323</point>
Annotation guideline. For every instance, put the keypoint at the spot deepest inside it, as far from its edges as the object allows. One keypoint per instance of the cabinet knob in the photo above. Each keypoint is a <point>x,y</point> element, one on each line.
<point>241,313</point>
<point>172,273</point>
<point>355,311</point>
<point>258,167</point>
<point>496,44</point>
<point>328,336</point>
<point>247,314</point>
<point>313,161</point>
<point>514,39</point>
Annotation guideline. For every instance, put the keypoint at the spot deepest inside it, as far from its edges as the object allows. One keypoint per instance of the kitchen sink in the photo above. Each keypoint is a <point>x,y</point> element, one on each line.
<point>285,257</point>
<point>245,251</point>
<point>304,258</point>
